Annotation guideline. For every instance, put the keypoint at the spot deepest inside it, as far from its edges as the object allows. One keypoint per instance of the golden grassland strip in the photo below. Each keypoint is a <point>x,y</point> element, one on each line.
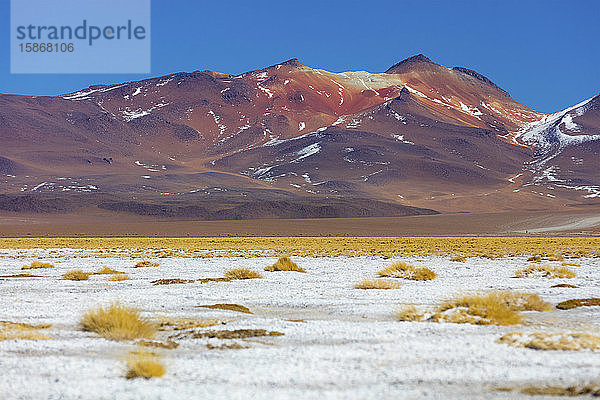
<point>320,246</point>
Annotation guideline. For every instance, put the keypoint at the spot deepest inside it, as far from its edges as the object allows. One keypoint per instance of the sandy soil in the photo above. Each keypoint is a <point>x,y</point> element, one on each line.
<point>347,345</point>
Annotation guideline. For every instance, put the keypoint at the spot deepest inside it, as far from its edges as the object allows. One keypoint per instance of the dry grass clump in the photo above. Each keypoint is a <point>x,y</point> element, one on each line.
<point>142,364</point>
<point>21,276</point>
<point>570,391</point>
<point>410,313</point>
<point>535,259</point>
<point>570,264</point>
<point>119,277</point>
<point>146,264</point>
<point>487,309</point>
<point>545,271</point>
<point>171,281</point>
<point>107,271</point>
<point>228,307</point>
<point>76,275</point>
<point>117,322</point>
<point>562,391</point>
<point>18,330</point>
<point>377,284</point>
<point>228,334</point>
<point>207,280</point>
<point>36,265</point>
<point>493,308</point>
<point>226,346</point>
<point>574,303</point>
<point>169,344</point>
<point>458,258</point>
<point>284,264</point>
<point>406,271</point>
<point>552,341</point>
<point>241,273</point>
<point>520,301</point>
<point>566,285</point>
<point>180,324</point>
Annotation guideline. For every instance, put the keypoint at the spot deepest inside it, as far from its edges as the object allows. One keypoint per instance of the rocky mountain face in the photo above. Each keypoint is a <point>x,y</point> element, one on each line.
<point>292,141</point>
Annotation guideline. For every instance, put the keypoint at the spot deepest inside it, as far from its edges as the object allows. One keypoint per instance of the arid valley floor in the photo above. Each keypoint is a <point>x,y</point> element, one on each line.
<point>302,335</point>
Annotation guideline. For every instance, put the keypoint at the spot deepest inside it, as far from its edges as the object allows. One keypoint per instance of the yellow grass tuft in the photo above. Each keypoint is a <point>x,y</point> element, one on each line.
<point>36,265</point>
<point>107,271</point>
<point>486,309</point>
<point>377,284</point>
<point>76,275</point>
<point>409,313</point>
<point>519,301</point>
<point>545,271</point>
<point>117,322</point>
<point>284,264</point>
<point>241,273</point>
<point>142,364</point>
<point>552,341</point>
<point>19,330</point>
<point>145,264</point>
<point>406,271</point>
<point>458,258</point>
<point>119,277</point>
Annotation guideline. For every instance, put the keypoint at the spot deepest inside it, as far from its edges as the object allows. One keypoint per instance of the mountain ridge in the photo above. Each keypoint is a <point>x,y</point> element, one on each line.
<point>422,136</point>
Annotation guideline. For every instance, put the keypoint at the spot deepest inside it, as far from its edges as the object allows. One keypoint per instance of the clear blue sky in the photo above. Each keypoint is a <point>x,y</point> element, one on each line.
<point>544,53</point>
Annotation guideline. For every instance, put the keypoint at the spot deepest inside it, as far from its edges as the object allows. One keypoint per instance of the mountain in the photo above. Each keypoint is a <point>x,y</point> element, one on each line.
<point>292,141</point>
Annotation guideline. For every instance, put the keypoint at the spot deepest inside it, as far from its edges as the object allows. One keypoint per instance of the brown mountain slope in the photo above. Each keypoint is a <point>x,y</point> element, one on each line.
<point>211,145</point>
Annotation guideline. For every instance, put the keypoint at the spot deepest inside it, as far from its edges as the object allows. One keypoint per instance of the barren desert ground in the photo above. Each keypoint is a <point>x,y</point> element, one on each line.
<point>302,335</point>
<point>575,222</point>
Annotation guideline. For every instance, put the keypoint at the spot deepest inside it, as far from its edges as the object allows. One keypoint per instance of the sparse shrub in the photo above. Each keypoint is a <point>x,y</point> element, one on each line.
<point>36,265</point>
<point>545,271</point>
<point>146,264</point>
<point>76,275</point>
<point>574,303</point>
<point>241,273</point>
<point>406,271</point>
<point>117,322</point>
<point>536,259</point>
<point>284,264</point>
<point>552,341</point>
<point>107,271</point>
<point>377,284</point>
<point>119,277</point>
<point>142,364</point>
